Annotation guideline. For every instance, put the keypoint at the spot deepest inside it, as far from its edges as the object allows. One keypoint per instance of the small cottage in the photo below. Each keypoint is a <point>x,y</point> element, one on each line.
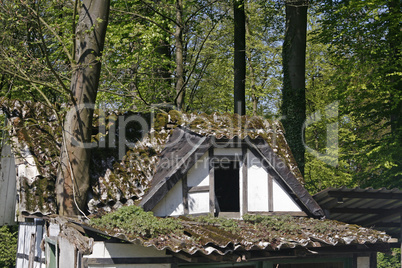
<point>194,191</point>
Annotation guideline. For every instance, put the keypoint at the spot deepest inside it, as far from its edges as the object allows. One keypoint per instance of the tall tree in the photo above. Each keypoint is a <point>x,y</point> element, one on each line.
<point>180,87</point>
<point>73,179</point>
<point>239,57</point>
<point>364,44</point>
<point>293,93</point>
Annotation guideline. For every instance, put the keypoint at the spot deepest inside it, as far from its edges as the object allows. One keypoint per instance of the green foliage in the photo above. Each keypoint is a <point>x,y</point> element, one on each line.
<point>133,221</point>
<point>8,245</point>
<point>34,42</point>
<point>364,54</point>
<point>389,261</point>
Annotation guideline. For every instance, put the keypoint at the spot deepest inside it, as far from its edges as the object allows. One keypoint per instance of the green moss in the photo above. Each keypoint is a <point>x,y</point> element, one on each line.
<point>176,117</point>
<point>283,223</point>
<point>40,194</point>
<point>228,225</point>
<point>161,121</point>
<point>133,221</point>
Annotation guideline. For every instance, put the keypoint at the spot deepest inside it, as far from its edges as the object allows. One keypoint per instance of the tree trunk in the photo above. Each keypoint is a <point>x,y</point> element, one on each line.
<point>180,91</point>
<point>239,58</point>
<point>293,94</point>
<point>73,179</point>
<point>394,40</point>
<point>253,87</point>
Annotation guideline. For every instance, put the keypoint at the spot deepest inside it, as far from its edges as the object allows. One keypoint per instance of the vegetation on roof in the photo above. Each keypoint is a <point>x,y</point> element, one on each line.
<point>196,232</point>
<point>134,221</point>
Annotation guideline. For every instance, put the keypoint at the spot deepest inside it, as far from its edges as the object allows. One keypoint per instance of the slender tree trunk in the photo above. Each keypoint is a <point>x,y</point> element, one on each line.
<point>239,57</point>
<point>180,91</point>
<point>73,179</point>
<point>253,87</point>
<point>394,40</point>
<point>293,94</point>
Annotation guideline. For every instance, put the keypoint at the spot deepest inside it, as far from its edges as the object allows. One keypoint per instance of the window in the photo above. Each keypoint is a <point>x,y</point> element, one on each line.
<point>226,186</point>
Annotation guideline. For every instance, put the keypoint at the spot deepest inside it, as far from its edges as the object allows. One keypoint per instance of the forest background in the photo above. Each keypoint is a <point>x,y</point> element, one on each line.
<point>165,53</point>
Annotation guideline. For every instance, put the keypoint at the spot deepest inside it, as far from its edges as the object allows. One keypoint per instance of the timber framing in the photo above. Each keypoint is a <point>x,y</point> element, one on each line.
<point>189,147</point>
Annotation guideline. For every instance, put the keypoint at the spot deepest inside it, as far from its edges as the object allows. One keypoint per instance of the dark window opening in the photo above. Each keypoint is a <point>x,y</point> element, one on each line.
<point>227,189</point>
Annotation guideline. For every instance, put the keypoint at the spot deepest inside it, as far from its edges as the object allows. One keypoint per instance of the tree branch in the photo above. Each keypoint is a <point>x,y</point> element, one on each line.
<point>143,17</point>
<point>53,32</point>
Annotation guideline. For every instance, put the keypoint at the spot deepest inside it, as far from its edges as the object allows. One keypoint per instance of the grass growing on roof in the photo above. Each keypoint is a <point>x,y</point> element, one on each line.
<point>133,221</point>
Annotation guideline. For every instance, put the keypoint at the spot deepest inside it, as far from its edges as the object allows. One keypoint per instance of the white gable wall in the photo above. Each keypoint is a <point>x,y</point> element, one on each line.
<point>282,200</point>
<point>258,193</point>
<point>257,189</point>
<point>257,185</point>
<point>198,203</point>
<point>198,175</point>
<point>172,203</point>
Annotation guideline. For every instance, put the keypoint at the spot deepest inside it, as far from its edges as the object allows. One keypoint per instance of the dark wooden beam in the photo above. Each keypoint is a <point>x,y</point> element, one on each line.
<point>128,260</point>
<point>291,213</point>
<point>211,181</point>
<point>185,191</point>
<point>270,193</point>
<point>198,189</point>
<point>244,180</point>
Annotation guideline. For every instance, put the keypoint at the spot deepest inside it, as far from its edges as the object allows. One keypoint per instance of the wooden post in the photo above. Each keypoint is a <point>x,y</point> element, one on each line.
<point>270,193</point>
<point>185,194</point>
<point>211,182</point>
<point>244,180</point>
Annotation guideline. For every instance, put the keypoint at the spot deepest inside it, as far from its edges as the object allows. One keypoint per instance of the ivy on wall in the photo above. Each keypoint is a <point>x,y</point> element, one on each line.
<point>8,245</point>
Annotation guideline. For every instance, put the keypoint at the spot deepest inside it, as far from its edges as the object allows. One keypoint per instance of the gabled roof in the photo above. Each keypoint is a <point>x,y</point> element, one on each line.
<point>186,147</point>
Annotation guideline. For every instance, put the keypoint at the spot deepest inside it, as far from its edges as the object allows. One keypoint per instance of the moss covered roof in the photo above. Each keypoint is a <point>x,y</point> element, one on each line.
<point>209,235</point>
<point>37,134</point>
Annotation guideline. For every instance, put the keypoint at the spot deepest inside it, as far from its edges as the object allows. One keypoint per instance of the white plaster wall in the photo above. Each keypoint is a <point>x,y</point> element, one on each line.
<point>66,253</point>
<point>282,200</point>
<point>257,184</point>
<point>198,203</point>
<point>172,203</point>
<point>198,175</point>
<point>117,250</point>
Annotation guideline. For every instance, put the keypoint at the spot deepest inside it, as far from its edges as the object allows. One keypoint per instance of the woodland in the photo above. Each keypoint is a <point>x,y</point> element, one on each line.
<point>330,70</point>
